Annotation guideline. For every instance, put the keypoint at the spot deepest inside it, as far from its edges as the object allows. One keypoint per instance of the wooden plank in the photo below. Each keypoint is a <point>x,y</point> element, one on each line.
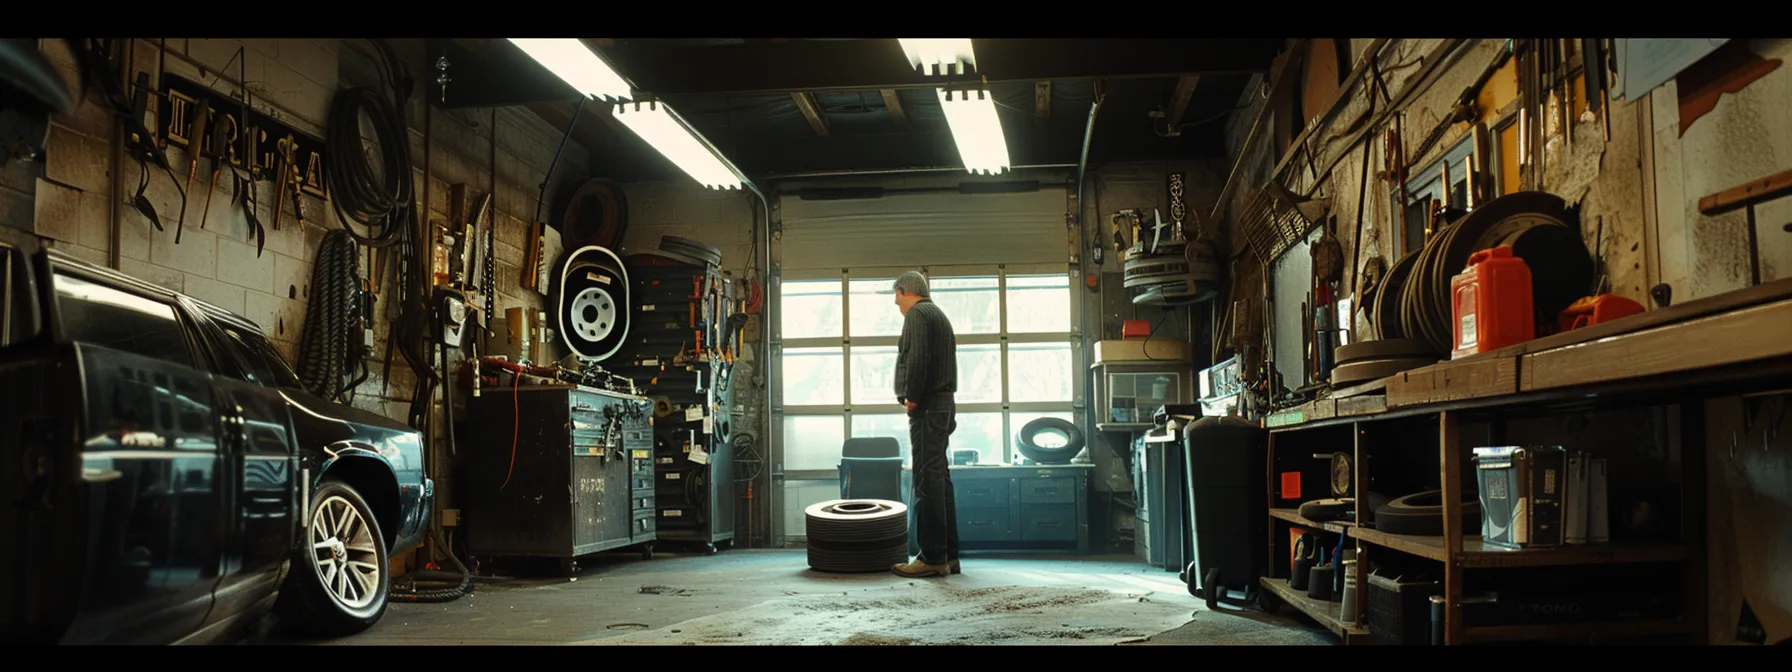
<point>1765,292</point>
<point>1731,338</point>
<point>1565,631</point>
<point>1293,516</point>
<point>1742,195</point>
<point>1365,388</point>
<point>1325,612</point>
<point>1364,405</point>
<point>1450,465</point>
<point>1359,473</point>
<point>1179,98</point>
<point>1477,555</point>
<point>1471,378</point>
<point>893,103</point>
<point>805,102</point>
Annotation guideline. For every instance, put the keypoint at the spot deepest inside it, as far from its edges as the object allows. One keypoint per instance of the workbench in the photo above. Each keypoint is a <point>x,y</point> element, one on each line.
<point>1731,344</point>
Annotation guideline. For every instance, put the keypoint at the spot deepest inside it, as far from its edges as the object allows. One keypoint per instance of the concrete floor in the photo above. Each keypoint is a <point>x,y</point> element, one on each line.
<point>757,597</point>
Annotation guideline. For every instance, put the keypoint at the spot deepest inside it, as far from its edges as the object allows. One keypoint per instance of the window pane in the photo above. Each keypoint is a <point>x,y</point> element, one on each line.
<point>1038,304</point>
<point>108,317</point>
<point>812,442</point>
<point>979,373</point>
<point>874,375</point>
<point>893,425</point>
<point>1039,372</point>
<point>814,376</point>
<point>981,432</point>
<point>1016,421</point>
<point>874,311</point>
<point>812,309</point>
<point>973,304</point>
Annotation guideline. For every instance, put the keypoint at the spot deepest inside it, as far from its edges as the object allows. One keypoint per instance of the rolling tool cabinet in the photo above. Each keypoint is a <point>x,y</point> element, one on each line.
<point>558,472</point>
<point>679,353</point>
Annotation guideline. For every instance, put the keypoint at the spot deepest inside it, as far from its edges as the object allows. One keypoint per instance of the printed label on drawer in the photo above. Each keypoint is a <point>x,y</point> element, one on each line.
<point>673,476</point>
<point>672,513</point>
<point>693,414</point>
<point>667,460</point>
<point>650,362</point>
<point>648,308</point>
<point>641,454</point>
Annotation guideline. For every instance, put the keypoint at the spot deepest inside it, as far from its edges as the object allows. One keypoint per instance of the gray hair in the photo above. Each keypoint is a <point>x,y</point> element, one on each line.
<point>912,282</point>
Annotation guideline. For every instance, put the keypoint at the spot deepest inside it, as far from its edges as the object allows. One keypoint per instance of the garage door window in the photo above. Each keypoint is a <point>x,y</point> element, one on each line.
<point>1016,359</point>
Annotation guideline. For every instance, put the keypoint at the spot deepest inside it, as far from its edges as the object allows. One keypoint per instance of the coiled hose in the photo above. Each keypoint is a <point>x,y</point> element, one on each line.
<point>332,320</point>
<point>384,200</point>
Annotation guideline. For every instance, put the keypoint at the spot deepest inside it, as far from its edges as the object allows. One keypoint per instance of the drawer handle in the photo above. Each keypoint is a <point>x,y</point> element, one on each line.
<point>1045,491</point>
<point>1048,523</point>
<point>982,522</point>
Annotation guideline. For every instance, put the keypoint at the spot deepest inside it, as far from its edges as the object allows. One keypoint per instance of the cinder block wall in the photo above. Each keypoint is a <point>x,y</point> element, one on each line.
<point>505,152</point>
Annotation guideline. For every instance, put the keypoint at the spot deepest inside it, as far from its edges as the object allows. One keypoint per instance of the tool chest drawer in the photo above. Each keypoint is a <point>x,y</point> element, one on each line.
<point>1054,490</point>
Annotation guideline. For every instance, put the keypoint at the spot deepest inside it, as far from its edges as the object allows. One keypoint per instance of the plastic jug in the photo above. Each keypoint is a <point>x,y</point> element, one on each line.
<point>1491,300</point>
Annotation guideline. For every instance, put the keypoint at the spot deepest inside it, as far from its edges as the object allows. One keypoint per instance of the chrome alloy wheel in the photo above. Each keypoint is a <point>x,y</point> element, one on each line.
<point>344,553</point>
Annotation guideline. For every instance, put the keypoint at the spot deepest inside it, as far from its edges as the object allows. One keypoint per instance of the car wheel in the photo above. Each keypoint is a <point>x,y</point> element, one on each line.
<point>338,585</point>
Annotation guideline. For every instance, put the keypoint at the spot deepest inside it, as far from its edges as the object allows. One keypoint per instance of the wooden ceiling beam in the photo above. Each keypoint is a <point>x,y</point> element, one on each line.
<point>805,101</point>
<point>1179,99</point>
<point>893,103</point>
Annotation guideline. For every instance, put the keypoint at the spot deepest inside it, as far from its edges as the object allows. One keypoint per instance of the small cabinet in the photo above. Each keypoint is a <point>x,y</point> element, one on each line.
<point>1012,507</point>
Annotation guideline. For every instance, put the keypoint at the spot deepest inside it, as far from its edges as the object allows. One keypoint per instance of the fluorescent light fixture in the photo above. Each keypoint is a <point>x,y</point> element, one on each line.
<point>940,56</point>
<point>976,129</point>
<point>571,60</point>
<point>660,127</point>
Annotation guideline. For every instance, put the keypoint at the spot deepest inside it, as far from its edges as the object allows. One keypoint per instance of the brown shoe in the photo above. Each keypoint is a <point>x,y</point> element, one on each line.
<point>918,569</point>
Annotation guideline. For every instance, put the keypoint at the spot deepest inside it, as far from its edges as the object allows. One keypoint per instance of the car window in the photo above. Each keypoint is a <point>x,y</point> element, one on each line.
<point>113,318</point>
<point>265,363</point>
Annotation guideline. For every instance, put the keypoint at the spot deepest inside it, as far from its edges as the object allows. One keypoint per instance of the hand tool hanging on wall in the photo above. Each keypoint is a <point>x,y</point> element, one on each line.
<point>195,147</point>
<point>279,177</point>
<point>220,155</point>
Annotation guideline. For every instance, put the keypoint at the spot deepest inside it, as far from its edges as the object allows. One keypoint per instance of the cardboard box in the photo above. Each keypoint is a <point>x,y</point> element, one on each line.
<point>1159,350</point>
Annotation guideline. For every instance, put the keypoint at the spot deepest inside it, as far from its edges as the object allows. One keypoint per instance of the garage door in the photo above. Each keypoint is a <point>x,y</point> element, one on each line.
<point>925,229</point>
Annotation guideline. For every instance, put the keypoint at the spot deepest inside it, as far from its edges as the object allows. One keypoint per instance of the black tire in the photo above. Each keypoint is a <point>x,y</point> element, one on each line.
<point>1422,513</point>
<point>690,251</point>
<point>307,601</point>
<point>1324,510</point>
<point>1210,585</point>
<point>856,535</point>
<point>647,552</point>
<point>1268,602</point>
<point>1074,441</point>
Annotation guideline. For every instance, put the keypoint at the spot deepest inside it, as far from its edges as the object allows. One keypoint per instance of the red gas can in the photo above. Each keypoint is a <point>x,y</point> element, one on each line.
<point>1492,303</point>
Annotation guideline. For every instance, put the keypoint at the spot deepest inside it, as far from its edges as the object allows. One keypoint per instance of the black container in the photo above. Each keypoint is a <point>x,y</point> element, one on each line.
<point>1225,467</point>
<point>1400,612</point>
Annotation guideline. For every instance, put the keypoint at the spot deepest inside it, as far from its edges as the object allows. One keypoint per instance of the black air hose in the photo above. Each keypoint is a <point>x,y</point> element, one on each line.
<point>381,199</point>
<point>332,322</point>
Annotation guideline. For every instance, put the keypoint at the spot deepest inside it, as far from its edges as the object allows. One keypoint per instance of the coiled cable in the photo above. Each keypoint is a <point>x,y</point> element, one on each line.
<point>332,318</point>
<point>382,200</point>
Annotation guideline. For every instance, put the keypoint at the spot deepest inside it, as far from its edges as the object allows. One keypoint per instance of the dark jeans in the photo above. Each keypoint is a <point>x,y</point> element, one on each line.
<point>930,428</point>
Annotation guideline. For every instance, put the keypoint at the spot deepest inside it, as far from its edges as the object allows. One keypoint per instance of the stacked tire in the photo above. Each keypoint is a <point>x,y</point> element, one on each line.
<point>857,535</point>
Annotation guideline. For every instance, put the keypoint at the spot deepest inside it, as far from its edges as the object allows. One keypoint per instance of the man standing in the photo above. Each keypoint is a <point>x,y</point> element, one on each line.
<point>926,380</point>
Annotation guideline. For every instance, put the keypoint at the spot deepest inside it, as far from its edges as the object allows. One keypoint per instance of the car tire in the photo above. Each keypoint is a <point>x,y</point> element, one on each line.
<point>338,586</point>
<point>1422,514</point>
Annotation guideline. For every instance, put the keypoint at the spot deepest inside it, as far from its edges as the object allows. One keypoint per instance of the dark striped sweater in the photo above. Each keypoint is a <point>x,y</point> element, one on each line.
<point>927,354</point>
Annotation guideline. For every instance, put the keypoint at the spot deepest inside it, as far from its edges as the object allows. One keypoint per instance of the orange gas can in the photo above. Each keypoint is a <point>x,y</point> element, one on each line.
<point>1491,300</point>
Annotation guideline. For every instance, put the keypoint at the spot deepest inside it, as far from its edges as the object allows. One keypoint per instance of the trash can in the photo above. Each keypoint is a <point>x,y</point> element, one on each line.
<point>1226,465</point>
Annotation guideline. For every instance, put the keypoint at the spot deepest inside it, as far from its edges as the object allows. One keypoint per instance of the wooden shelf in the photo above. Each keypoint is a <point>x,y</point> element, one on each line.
<point>1326,613</point>
<point>1476,555</point>
<point>1565,631</point>
<point>1293,516</point>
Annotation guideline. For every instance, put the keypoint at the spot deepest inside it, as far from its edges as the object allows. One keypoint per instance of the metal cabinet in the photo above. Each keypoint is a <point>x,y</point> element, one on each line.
<point>558,472</point>
<point>1010,507</point>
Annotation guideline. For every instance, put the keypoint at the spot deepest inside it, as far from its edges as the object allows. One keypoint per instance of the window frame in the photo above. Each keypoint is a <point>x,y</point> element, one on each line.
<point>1436,181</point>
<point>845,411</point>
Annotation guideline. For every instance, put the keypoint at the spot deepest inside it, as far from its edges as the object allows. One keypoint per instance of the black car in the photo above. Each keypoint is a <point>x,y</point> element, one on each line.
<point>167,480</point>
